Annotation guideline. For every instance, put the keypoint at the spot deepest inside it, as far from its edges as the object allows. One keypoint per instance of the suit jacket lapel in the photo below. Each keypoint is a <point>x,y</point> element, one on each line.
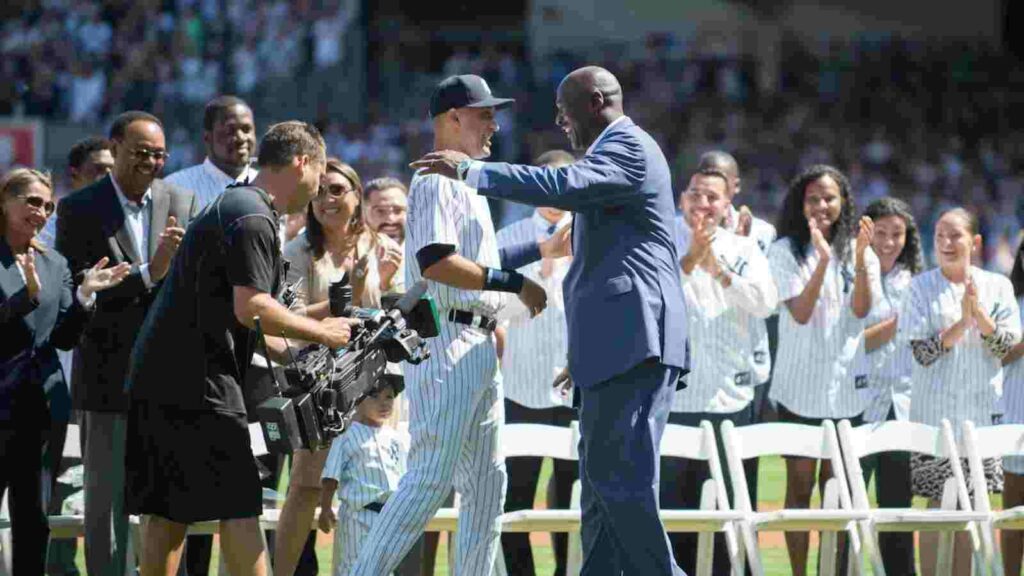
<point>10,278</point>
<point>160,209</point>
<point>123,235</point>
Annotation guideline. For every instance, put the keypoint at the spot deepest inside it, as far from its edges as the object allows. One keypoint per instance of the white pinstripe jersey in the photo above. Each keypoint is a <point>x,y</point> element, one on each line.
<point>1013,400</point>
<point>207,181</point>
<point>965,383</point>
<point>764,234</point>
<point>760,230</point>
<point>535,349</point>
<point>888,367</point>
<point>721,322</point>
<point>367,463</point>
<point>446,211</point>
<point>816,363</point>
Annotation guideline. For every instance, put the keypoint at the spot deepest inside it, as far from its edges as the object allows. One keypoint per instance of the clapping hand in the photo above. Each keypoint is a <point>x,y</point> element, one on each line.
<point>563,383</point>
<point>558,245</point>
<point>170,239</point>
<point>821,245</point>
<point>744,222</point>
<point>865,235</point>
<point>389,257</point>
<point>969,303</point>
<point>99,277</point>
<point>28,268</point>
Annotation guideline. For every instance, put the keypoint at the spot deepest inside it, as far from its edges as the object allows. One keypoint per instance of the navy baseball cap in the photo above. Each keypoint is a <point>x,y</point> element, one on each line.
<point>465,91</point>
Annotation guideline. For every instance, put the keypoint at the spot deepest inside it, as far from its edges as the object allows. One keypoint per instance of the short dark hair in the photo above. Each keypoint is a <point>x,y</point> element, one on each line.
<point>721,161</point>
<point>383,183</point>
<point>80,152</point>
<point>715,172</point>
<point>286,140</point>
<point>125,119</point>
<point>552,157</point>
<point>218,106</point>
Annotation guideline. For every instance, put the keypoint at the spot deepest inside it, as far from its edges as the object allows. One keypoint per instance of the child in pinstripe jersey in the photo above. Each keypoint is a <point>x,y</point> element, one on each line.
<point>1013,399</point>
<point>364,466</point>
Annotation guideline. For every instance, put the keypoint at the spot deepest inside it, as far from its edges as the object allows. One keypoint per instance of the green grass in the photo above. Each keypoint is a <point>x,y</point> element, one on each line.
<point>772,485</point>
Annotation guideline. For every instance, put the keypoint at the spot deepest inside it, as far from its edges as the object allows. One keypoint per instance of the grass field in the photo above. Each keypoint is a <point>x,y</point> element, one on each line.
<point>772,478</point>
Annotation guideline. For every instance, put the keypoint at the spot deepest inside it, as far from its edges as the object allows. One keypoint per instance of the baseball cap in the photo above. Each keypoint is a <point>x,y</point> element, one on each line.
<point>464,91</point>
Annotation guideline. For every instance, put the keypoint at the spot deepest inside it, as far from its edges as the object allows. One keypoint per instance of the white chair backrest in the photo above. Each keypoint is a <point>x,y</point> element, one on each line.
<point>73,442</point>
<point>984,442</point>
<point>685,442</point>
<point>893,436</point>
<point>540,440</point>
<point>997,441</point>
<point>781,439</point>
<point>697,444</point>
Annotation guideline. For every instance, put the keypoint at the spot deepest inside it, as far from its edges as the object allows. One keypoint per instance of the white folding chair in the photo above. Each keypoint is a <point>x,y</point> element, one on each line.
<point>715,513</point>
<point>836,513</point>
<point>992,442</point>
<point>903,436</point>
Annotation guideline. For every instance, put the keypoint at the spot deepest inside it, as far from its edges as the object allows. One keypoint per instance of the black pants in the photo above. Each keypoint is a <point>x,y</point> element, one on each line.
<point>892,490</point>
<point>682,480</point>
<point>21,471</point>
<point>522,486</point>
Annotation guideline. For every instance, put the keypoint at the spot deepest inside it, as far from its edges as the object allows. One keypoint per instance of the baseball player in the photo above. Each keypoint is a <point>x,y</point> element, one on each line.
<point>728,287</point>
<point>363,466</point>
<point>455,398</point>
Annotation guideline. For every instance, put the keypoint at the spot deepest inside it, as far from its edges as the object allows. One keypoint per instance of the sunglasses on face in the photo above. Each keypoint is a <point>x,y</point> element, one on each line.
<point>333,190</point>
<point>155,155</point>
<point>38,203</point>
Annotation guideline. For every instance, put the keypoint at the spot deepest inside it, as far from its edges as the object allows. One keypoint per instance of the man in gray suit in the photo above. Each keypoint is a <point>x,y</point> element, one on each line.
<point>624,307</point>
<point>128,216</point>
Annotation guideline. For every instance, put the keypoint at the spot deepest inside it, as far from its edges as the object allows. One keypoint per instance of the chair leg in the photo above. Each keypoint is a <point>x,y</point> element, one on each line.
<point>751,548</point>
<point>706,540</point>
<point>827,546</point>
<point>5,539</point>
<point>574,555</point>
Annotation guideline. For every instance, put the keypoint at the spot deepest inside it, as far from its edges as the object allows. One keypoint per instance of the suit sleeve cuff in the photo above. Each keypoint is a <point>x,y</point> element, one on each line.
<point>146,278</point>
<point>86,303</point>
<point>473,174</point>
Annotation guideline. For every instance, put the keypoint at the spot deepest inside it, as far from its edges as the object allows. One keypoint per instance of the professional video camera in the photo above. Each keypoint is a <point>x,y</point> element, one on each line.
<point>324,386</point>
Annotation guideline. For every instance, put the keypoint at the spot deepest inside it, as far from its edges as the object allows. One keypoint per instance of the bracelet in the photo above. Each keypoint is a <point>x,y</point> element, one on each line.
<point>503,280</point>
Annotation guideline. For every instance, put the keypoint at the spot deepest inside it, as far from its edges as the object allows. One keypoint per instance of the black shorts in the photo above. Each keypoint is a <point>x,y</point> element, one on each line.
<point>188,466</point>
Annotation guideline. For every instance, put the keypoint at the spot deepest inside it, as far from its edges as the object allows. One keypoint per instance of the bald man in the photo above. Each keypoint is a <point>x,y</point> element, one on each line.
<point>624,307</point>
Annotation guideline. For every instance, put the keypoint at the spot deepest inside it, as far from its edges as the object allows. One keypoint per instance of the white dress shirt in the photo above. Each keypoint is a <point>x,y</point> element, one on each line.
<point>138,218</point>
<point>207,181</point>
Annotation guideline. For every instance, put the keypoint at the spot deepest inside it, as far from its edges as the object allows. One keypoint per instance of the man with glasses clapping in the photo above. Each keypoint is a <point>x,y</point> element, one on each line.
<point>128,216</point>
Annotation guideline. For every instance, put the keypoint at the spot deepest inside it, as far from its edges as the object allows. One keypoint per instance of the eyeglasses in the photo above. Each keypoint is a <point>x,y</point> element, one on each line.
<point>155,155</point>
<point>38,203</point>
<point>334,190</point>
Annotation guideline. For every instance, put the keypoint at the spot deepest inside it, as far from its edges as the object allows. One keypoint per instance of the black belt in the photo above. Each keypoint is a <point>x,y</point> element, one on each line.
<point>472,319</point>
<point>374,507</point>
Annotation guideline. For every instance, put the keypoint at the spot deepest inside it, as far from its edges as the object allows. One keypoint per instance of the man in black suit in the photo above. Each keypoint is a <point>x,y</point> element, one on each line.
<point>129,216</point>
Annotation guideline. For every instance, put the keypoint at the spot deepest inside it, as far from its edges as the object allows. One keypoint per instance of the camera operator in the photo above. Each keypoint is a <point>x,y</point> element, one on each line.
<point>189,456</point>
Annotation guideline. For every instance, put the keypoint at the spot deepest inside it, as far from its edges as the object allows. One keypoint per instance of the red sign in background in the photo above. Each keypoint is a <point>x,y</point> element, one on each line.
<point>20,143</point>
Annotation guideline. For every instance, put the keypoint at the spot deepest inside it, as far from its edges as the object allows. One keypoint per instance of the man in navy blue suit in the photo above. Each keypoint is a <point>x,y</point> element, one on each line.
<point>624,307</point>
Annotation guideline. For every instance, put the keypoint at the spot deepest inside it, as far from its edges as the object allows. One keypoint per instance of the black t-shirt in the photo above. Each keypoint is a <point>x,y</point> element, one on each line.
<point>192,352</point>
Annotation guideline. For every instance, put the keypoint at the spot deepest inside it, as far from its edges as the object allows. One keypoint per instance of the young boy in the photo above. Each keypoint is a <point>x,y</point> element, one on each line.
<point>364,467</point>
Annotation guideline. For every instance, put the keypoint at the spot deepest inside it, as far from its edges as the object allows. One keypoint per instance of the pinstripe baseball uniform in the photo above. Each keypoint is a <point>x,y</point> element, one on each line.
<point>721,322</point>
<point>965,382</point>
<point>764,234</point>
<point>207,181</point>
<point>367,463</point>
<point>536,348</point>
<point>456,403</point>
<point>888,367</point>
<point>815,368</point>
<point>1013,401</point>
